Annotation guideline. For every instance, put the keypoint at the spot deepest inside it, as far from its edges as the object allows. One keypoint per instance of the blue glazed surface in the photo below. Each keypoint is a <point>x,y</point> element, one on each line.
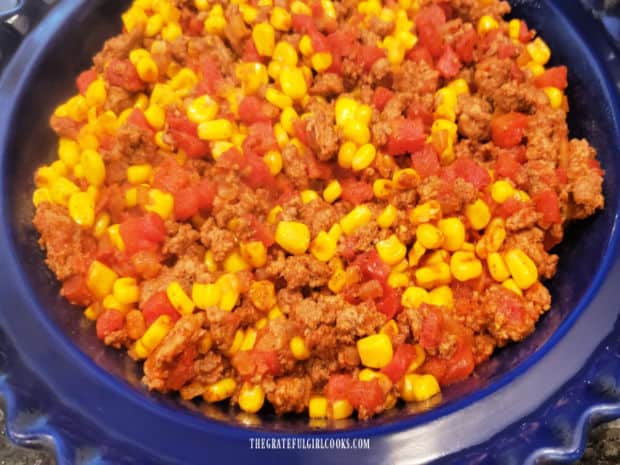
<point>530,403</point>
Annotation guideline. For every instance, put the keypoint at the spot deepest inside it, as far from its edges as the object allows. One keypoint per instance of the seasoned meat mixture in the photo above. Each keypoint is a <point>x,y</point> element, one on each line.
<point>327,206</point>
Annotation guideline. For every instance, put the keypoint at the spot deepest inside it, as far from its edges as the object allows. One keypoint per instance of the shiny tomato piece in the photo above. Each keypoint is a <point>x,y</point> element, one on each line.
<point>185,204</point>
<point>432,327</point>
<point>381,97</point>
<point>365,395</point>
<point>428,23</point>
<point>138,119</point>
<point>206,190</point>
<point>465,44</point>
<point>426,161</point>
<point>562,175</point>
<point>404,355</point>
<point>256,362</point>
<point>372,267</point>
<point>338,386</point>
<point>505,50</point>
<point>548,203</point>
<point>469,170</point>
<point>408,136</point>
<point>508,129</point>
<point>525,35</point>
<point>250,53</point>
<point>153,227</point>
<point>157,305</point>
<point>122,73</point>
<point>170,176</point>
<point>74,289</point>
<point>460,365</point>
<point>509,208</point>
<point>258,174</point>
<point>341,41</point>
<point>180,123</point>
<point>317,169</point>
<point>369,55</point>
<point>421,53</point>
<point>449,63</point>
<point>142,233</point>
<point>260,139</point>
<point>182,369</point>
<point>108,322</point>
<point>303,24</point>
<point>211,77</point>
<point>191,145</point>
<point>319,41</point>
<point>299,129</point>
<point>262,232</point>
<point>253,110</point>
<point>389,304</point>
<point>506,166</point>
<point>435,366</point>
<point>85,79</point>
<point>553,77</point>
<point>418,110</point>
<point>355,191</point>
<point>232,159</point>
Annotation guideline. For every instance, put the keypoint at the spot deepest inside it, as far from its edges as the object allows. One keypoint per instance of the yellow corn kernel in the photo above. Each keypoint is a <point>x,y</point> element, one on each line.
<point>138,174</point>
<point>96,94</point>
<point>153,336</point>
<point>465,265</point>
<point>215,25</point>
<point>535,68</point>
<point>522,268</point>
<point>425,213</point>
<point>254,253</point>
<point>251,397</point>
<point>416,253</point>
<point>332,191</point>
<point>395,50</point>
<point>459,86</point>
<point>160,202</point>
<point>441,296</point>
<point>429,236</point>
<point>235,262</point>
<point>262,294</point>
<point>292,236</point>
<point>179,299</point>
<point>161,143</point>
<point>391,250</point>
<point>100,279</point>
<point>346,154</point>
<point>308,196</point>
<point>418,388</point>
<point>264,36</point>
<point>287,118</point>
<point>375,351</point>
<point>398,279</point>
<point>221,390</point>
<point>281,135</point>
<point>77,108</point>
<point>387,217</point>
<point>478,214</point>
<point>453,231</point>
<point>363,113</point>
<point>205,295</point>
<point>501,191</point>
<point>202,109</point>
<point>68,151</point>
<point>278,98</point>
<point>260,324</point>
<point>555,96</point>
<point>317,406</point>
<point>126,291</point>
<point>82,209</point>
<point>420,357</point>
<point>274,313</point>
<point>497,267</point>
<point>511,285</point>
<point>445,104</point>
<point>293,83</point>
<point>437,256</point>
<point>249,339</point>
<point>341,409</point>
<point>432,276</point>
<point>205,344</point>
<point>324,246</point>
<point>355,219</point>
<point>218,129</point>
<point>94,168</point>
<point>514,29</point>
<point>133,17</point>
<point>337,282</point>
<point>413,297</point>
<point>321,61</point>
<point>298,348</point>
<point>356,131</point>
<point>487,24</point>
<point>248,13</point>
<point>363,158</point>
<point>272,216</point>
<point>201,5</point>
<point>328,9</point>
<point>237,342</point>
<point>153,25</point>
<point>40,195</point>
<point>539,51</point>
<point>406,39</point>
<point>390,328</point>
<point>492,239</point>
<point>114,233</point>
<point>92,312</point>
<point>299,7</point>
<point>220,147</point>
<point>131,197</point>
<point>147,70</point>
<point>111,303</point>
<point>253,76</point>
<point>183,81</point>
<point>280,19</point>
<point>345,110</point>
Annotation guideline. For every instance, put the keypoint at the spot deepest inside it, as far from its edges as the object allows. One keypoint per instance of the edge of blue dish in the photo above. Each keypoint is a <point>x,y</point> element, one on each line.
<point>36,429</point>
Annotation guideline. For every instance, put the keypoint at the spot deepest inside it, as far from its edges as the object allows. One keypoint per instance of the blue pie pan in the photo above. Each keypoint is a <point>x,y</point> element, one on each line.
<point>532,403</point>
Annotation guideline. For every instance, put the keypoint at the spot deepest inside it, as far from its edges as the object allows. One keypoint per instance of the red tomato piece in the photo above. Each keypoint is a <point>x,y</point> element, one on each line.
<point>260,139</point>
<point>338,387</point>
<point>508,129</point>
<point>509,208</point>
<point>303,24</point>
<point>74,289</point>
<point>426,161</point>
<point>185,204</point>
<point>404,355</point>
<point>142,233</point>
<point>408,136</point>
<point>548,203</point>
<point>365,395</point>
<point>193,146</point>
<point>562,175</point>
<point>428,23</point>
<point>157,305</point>
<point>506,166</point>
<point>253,110</point>
<point>449,63</point>
<point>525,35</point>
<point>262,232</point>
<point>553,77</point>
<point>299,128</point>
<point>182,370</point>
<point>421,53</point>
<point>211,76</point>
<point>505,50</point>
<point>206,190</point>
<point>138,119</point>
<point>317,169</point>
<point>465,44</point>
<point>369,55</point>
<point>123,73</point>
<point>194,27</point>
<point>459,366</point>
<point>258,174</point>
<point>170,176</point>
<point>232,159</point>
<point>250,53</point>
<point>108,322</point>
<point>355,191</point>
<point>85,79</point>
<point>469,170</point>
<point>372,267</point>
<point>381,97</point>
<point>389,304</point>
<point>255,362</point>
<point>432,327</point>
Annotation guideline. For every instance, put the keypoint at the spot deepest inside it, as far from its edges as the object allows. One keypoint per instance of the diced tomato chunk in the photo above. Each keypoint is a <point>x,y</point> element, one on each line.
<point>302,24</point>
<point>404,355</point>
<point>138,119</point>
<point>420,53</point>
<point>460,365</point>
<point>123,73</point>
<point>562,175</point>
<point>525,35</point>
<point>408,136</point>
<point>258,174</point>
<point>432,327</point>
<point>506,50</point>
<point>170,176</point>
<point>428,23</point>
<point>449,63</point>
<point>338,386</point>
<point>553,77</point>
<point>157,305</point>
<point>508,129</point>
<point>85,79</point>
<point>260,139</point>
<point>389,304</point>
<point>191,145</point>
<point>253,110</point>
<point>232,159</point>
<point>185,204</point>
<point>509,208</point>
<point>548,203</point>
<point>250,53</point>
<point>506,166</point>
<point>426,161</point>
<point>381,97</point>
<point>317,169</point>
<point>372,267</point>
<point>108,322</point>
<point>300,131</point>
<point>142,233</point>
<point>206,190</point>
<point>356,192</point>
<point>465,44</point>
<point>262,232</point>
<point>182,370</point>
<point>74,289</point>
<point>366,395</point>
<point>369,55</point>
<point>468,169</point>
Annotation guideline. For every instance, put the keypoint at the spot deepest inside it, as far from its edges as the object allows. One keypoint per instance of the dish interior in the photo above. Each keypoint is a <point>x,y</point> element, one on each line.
<point>32,143</point>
